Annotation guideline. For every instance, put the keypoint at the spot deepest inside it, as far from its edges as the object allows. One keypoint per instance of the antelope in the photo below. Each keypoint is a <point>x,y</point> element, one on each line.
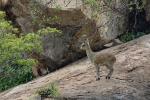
<point>103,59</point>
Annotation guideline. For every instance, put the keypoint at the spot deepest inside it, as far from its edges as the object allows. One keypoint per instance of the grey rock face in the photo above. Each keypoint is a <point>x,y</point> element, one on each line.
<point>75,19</point>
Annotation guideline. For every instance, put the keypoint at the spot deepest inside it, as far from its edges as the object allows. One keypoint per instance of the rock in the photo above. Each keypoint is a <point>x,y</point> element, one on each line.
<point>147,9</point>
<point>25,24</point>
<point>80,19</point>
<point>43,66</point>
<point>113,43</point>
<point>130,80</point>
<point>75,19</point>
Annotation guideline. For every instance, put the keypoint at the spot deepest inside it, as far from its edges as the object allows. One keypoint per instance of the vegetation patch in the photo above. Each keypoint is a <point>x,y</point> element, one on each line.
<point>15,65</point>
<point>49,91</point>
<point>130,36</point>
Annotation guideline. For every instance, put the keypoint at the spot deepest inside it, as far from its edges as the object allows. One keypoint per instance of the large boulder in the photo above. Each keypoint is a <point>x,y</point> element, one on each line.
<point>75,19</point>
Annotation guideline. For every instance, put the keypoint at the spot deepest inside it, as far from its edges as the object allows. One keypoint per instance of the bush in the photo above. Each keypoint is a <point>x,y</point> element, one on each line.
<point>15,68</point>
<point>130,36</point>
<point>50,91</point>
<point>15,77</point>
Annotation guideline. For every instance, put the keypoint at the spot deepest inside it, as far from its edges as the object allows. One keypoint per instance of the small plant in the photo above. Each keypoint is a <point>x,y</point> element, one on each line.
<point>91,2</point>
<point>94,6</point>
<point>130,36</point>
<point>40,19</point>
<point>50,91</point>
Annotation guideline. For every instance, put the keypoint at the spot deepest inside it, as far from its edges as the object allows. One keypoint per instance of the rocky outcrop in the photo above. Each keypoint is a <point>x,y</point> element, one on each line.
<point>44,65</point>
<point>25,24</point>
<point>74,19</point>
<point>130,80</point>
<point>147,9</point>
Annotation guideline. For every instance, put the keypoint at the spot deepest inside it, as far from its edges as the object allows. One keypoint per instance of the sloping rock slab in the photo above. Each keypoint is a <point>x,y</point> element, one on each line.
<point>130,80</point>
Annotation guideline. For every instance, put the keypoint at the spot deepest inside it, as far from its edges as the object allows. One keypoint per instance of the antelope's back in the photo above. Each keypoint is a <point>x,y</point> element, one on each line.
<point>104,58</point>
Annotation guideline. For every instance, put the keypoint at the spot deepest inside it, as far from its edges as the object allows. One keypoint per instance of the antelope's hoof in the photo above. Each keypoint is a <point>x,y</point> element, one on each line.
<point>107,77</point>
<point>97,79</point>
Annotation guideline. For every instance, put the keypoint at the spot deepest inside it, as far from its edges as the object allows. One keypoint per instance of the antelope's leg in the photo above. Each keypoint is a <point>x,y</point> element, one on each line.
<point>110,67</point>
<point>97,72</point>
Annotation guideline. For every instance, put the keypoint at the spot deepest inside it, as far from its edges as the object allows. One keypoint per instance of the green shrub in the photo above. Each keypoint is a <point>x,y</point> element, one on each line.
<point>50,91</point>
<point>130,36</point>
<point>16,69</point>
<point>90,2</point>
<point>14,77</point>
<point>41,19</point>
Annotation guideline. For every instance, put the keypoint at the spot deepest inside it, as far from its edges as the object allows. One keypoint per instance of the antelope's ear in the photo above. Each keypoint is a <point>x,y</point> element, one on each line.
<point>87,40</point>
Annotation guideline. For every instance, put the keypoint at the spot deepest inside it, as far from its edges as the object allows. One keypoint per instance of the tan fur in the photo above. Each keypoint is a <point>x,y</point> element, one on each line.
<point>103,59</point>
